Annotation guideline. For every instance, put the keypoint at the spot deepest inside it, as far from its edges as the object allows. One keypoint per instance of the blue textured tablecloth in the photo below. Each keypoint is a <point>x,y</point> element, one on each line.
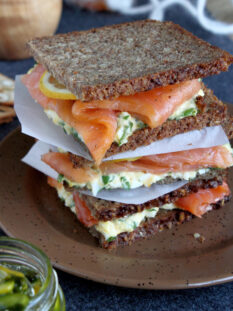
<point>87,295</point>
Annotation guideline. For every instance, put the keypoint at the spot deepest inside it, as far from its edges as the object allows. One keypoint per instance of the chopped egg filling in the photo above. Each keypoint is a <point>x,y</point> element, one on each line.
<point>69,130</point>
<point>113,227</point>
<point>187,109</point>
<point>130,180</point>
<point>67,198</point>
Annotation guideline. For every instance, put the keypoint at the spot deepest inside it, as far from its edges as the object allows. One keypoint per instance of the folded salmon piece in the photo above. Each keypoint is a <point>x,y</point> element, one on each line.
<point>96,127</point>
<point>143,171</point>
<point>120,228</point>
<point>199,203</point>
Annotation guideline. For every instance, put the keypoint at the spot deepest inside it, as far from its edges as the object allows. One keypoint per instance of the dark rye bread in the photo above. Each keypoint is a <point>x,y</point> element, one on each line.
<point>212,112</point>
<point>107,210</point>
<point>228,126</point>
<point>163,220</point>
<point>127,58</point>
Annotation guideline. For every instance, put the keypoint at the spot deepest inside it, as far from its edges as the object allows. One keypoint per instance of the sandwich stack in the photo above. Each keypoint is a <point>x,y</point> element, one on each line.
<point>145,143</point>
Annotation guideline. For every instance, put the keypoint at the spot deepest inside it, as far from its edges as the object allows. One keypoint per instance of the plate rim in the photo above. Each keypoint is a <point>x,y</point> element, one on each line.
<point>123,282</point>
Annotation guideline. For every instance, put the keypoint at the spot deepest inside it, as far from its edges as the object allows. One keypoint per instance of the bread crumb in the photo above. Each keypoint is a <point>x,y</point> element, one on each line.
<point>199,237</point>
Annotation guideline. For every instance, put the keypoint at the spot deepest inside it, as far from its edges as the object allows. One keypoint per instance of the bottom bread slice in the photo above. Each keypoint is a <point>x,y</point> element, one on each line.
<point>163,220</point>
<point>178,207</point>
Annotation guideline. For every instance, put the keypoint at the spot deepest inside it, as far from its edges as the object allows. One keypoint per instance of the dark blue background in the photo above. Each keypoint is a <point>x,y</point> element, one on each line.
<point>87,295</point>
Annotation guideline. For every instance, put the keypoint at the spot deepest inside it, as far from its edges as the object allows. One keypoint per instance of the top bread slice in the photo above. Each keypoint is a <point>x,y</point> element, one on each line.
<point>127,58</point>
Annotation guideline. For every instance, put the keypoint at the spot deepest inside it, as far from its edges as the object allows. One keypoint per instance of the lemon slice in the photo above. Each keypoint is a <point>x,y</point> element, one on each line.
<point>123,160</point>
<point>53,89</point>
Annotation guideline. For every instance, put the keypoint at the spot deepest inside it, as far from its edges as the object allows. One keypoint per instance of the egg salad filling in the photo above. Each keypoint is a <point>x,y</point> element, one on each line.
<point>126,123</point>
<point>67,198</point>
<point>69,130</point>
<point>188,108</point>
<point>110,229</point>
<point>129,180</point>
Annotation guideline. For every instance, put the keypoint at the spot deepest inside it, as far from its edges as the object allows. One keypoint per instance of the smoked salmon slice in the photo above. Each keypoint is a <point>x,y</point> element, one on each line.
<point>61,163</point>
<point>54,183</point>
<point>82,211</point>
<point>199,203</point>
<point>97,127</point>
<point>152,107</point>
<point>180,161</point>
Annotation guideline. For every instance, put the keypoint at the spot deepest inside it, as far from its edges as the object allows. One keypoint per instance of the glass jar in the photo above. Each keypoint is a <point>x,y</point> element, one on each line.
<point>22,255</point>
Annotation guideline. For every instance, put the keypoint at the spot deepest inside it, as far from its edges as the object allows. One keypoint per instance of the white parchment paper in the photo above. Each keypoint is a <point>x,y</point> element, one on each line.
<point>35,123</point>
<point>133,196</point>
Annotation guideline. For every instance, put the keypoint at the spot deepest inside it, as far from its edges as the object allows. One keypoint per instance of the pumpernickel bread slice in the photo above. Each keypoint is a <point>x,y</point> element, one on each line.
<point>127,58</point>
<point>165,219</point>
<point>107,210</point>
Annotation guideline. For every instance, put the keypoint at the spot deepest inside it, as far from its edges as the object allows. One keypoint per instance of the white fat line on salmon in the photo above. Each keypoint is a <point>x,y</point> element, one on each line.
<point>126,123</point>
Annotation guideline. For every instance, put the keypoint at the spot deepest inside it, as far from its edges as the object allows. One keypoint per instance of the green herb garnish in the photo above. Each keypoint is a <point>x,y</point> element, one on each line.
<point>60,178</point>
<point>131,126</point>
<point>121,141</point>
<point>61,123</point>
<point>105,179</point>
<point>134,225</point>
<point>75,134</point>
<point>112,238</point>
<point>124,182</point>
<point>189,112</point>
<point>141,125</point>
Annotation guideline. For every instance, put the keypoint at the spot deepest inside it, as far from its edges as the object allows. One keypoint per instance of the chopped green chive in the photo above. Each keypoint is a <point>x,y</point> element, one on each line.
<point>130,125</point>
<point>105,179</point>
<point>75,134</point>
<point>134,225</point>
<point>64,129</point>
<point>189,112</point>
<point>124,182</point>
<point>141,125</point>
<point>152,210</point>
<point>126,117</point>
<point>121,141</point>
<point>61,123</point>
<point>112,238</point>
<point>60,178</point>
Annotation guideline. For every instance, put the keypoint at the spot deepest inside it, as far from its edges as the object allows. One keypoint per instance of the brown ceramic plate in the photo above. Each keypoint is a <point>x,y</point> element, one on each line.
<point>30,210</point>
